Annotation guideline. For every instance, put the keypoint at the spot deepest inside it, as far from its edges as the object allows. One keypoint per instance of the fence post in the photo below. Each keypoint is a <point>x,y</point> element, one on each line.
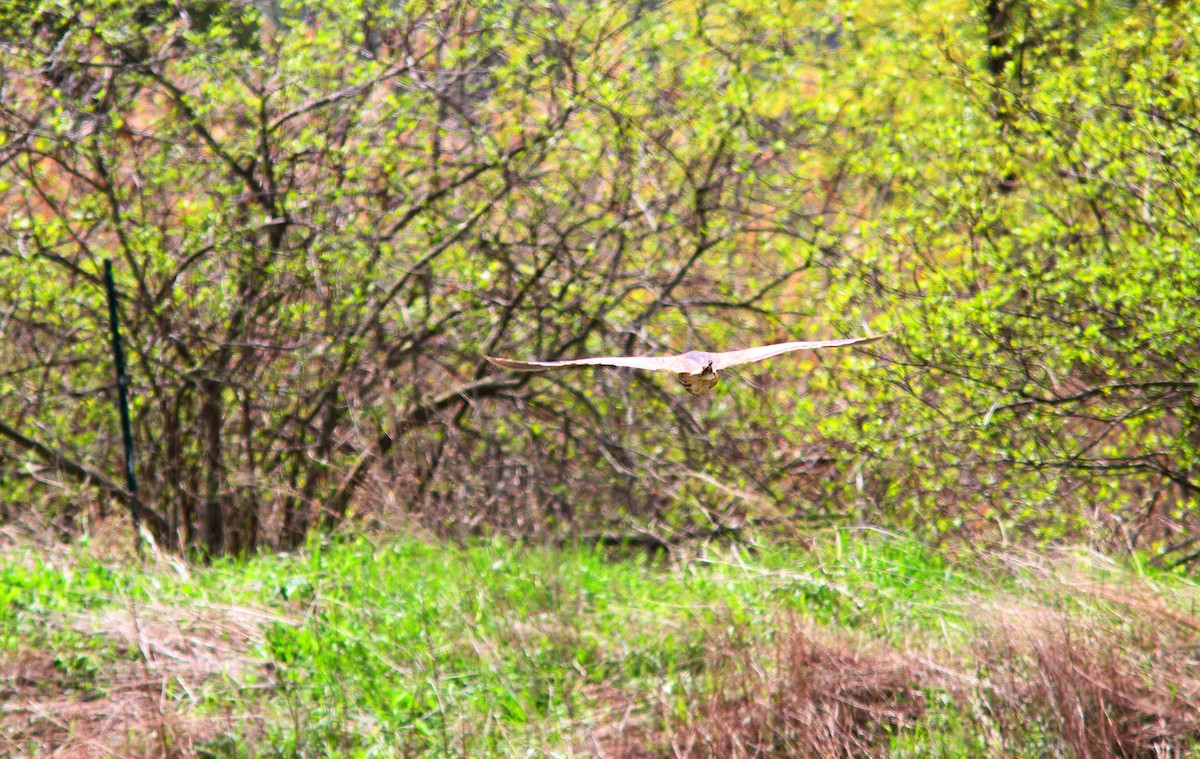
<point>123,405</point>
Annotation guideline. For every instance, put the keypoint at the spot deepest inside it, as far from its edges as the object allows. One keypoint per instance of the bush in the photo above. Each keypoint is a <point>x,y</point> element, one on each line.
<point>1036,254</point>
<point>323,217</point>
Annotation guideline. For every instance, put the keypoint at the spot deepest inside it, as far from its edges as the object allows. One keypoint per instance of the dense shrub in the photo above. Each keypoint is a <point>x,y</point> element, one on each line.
<point>1038,256</point>
<point>324,216</point>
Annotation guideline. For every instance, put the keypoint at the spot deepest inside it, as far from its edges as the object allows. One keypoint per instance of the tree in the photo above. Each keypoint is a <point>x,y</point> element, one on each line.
<point>1046,352</point>
<point>324,217</point>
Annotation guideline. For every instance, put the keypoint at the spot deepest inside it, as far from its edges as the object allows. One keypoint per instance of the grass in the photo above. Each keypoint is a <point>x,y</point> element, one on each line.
<point>850,644</point>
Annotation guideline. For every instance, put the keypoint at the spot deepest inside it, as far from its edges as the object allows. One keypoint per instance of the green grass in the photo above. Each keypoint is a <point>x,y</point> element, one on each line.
<point>408,648</point>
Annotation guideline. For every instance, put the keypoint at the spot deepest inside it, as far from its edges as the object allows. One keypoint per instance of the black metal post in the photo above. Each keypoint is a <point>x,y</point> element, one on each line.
<point>123,404</point>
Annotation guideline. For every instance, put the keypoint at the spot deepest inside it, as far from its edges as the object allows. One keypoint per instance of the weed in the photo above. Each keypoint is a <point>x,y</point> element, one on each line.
<point>808,694</point>
<point>852,644</point>
<point>1122,680</point>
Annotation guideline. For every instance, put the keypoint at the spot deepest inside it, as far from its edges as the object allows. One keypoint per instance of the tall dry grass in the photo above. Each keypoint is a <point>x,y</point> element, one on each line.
<point>811,693</point>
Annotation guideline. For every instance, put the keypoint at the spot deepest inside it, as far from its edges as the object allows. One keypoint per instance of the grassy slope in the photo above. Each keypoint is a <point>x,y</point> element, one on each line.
<point>412,648</point>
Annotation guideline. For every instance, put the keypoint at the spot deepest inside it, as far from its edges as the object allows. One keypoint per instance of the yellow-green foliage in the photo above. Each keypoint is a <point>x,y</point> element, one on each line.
<point>323,216</point>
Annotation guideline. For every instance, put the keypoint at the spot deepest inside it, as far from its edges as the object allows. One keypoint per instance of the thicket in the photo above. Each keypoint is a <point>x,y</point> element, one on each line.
<point>323,216</point>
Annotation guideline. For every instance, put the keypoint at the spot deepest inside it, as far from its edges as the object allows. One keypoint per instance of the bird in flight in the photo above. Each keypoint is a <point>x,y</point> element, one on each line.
<point>697,371</point>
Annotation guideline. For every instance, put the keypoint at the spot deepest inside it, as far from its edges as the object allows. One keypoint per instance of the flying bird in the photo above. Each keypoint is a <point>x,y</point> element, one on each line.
<point>697,371</point>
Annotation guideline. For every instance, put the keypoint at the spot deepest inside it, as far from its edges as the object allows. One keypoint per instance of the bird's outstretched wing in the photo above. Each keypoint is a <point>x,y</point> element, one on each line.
<point>682,364</point>
<point>727,359</point>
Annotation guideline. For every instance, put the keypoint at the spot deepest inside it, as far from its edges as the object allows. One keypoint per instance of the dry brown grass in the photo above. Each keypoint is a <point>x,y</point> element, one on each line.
<point>139,705</point>
<point>811,694</point>
<point>46,714</point>
<point>1105,669</point>
<point>1076,660</point>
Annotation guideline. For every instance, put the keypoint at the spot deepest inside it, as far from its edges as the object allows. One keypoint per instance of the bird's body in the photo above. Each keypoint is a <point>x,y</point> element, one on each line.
<point>702,382</point>
<point>697,371</point>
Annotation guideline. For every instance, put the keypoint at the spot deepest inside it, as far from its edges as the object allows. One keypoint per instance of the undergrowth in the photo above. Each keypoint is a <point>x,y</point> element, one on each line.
<point>848,644</point>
